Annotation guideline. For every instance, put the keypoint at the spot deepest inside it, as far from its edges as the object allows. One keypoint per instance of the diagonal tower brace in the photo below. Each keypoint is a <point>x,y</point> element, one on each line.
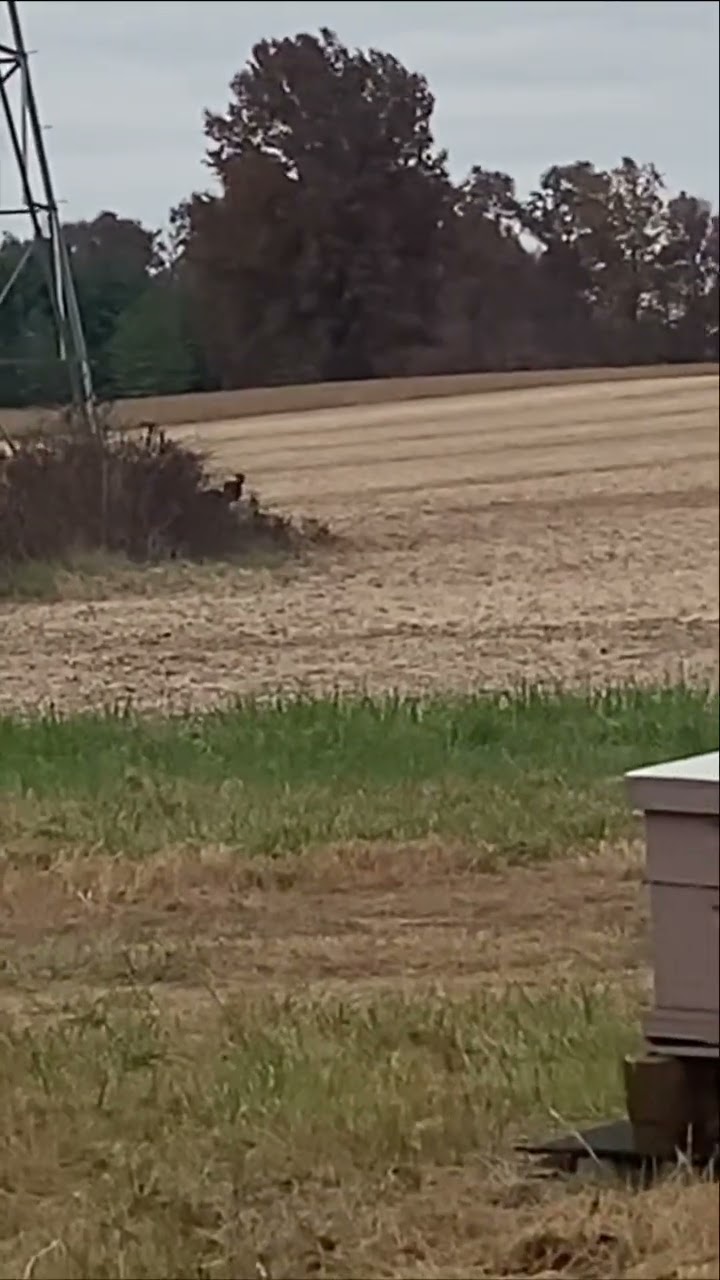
<point>19,115</point>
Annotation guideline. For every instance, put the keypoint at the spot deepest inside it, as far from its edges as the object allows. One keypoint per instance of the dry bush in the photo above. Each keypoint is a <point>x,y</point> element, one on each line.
<point>144,496</point>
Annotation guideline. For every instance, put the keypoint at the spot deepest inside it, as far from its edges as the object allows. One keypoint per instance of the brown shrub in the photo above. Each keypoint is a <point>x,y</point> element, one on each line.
<point>143,496</point>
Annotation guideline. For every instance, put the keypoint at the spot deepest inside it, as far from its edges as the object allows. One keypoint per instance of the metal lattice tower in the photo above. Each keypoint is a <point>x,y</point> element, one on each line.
<point>36,207</point>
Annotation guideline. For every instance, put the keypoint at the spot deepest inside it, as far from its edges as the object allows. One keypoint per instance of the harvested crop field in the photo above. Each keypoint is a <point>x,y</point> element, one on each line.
<point>558,532</point>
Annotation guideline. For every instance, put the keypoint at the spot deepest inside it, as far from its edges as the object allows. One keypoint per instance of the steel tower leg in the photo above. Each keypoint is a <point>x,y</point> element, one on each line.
<point>19,114</point>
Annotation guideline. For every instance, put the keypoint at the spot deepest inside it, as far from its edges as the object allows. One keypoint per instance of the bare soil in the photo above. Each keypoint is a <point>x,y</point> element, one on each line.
<point>358,918</point>
<point>563,532</point>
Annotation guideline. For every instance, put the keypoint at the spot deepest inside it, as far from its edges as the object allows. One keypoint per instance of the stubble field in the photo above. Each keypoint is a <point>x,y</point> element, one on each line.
<point>566,532</point>
<point>280,985</point>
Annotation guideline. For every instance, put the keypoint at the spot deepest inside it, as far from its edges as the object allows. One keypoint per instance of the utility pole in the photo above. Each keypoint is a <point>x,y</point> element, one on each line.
<point>36,205</point>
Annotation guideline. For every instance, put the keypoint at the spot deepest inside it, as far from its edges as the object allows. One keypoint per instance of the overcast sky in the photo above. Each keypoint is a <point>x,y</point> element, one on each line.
<point>519,85</point>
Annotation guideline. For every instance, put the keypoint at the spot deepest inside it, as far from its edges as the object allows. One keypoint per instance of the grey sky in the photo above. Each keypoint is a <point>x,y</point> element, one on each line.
<point>519,85</point>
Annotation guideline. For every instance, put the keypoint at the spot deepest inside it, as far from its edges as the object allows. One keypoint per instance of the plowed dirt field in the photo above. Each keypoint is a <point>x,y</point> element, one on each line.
<point>565,532</point>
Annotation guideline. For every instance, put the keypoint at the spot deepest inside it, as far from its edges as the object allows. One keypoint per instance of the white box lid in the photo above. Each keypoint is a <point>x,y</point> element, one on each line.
<point>690,785</point>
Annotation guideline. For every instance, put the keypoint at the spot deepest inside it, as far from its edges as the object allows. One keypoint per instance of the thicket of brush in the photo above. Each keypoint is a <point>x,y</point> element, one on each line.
<point>141,495</point>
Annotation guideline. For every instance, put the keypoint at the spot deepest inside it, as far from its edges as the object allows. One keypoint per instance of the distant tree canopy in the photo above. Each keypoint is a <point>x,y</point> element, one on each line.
<point>337,245</point>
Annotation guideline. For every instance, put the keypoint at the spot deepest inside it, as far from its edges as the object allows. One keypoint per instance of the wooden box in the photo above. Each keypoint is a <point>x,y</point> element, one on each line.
<point>680,803</point>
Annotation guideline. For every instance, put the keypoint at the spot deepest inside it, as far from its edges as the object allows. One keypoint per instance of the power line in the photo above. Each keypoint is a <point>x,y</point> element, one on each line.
<point>37,204</point>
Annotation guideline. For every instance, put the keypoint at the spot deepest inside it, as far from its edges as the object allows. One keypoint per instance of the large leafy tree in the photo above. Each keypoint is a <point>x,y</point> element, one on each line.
<point>150,351</point>
<point>133,315</point>
<point>688,286</point>
<point>489,291</point>
<point>244,255</point>
<point>626,274</point>
<point>567,216</point>
<point>633,235</point>
<point>339,143</point>
<point>30,368</point>
<point>112,258</point>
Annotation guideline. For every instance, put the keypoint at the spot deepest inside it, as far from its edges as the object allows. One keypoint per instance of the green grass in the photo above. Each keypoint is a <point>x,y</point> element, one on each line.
<point>102,575</point>
<point>525,772</point>
<point>51,580</point>
<point>158,1152</point>
<point>163,1115</point>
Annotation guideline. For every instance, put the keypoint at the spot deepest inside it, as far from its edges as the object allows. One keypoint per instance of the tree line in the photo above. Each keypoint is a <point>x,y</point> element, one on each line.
<point>337,245</point>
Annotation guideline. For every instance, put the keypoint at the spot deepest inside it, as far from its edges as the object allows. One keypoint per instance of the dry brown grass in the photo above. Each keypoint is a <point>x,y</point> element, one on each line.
<point>371,917</point>
<point>297,1073</point>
